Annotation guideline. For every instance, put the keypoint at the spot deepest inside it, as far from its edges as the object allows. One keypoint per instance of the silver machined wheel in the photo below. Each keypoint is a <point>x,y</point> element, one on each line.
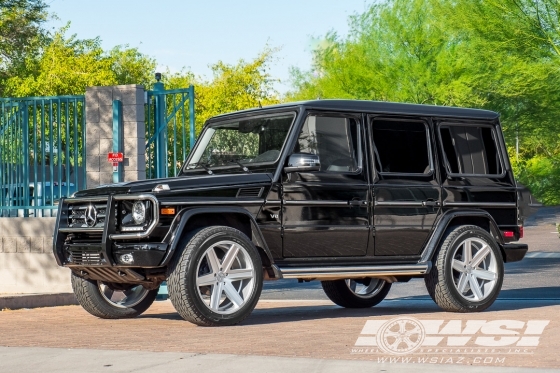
<point>366,289</point>
<point>123,298</point>
<point>475,269</point>
<point>225,277</point>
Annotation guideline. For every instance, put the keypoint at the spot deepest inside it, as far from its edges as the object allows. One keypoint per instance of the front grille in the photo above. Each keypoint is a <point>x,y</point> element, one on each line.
<point>87,215</point>
<point>85,257</point>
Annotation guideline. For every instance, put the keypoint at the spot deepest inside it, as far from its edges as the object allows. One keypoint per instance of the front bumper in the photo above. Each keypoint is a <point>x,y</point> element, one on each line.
<point>514,252</point>
<point>145,255</point>
<point>103,245</point>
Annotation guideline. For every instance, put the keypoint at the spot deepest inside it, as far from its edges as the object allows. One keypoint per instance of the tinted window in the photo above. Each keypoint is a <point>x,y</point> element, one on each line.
<point>401,146</point>
<point>470,150</point>
<point>334,139</point>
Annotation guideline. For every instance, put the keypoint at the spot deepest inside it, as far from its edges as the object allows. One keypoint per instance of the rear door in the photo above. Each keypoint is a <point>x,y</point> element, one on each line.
<point>407,195</point>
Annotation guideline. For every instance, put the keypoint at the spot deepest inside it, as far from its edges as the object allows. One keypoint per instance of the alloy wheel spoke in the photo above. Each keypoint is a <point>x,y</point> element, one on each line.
<point>230,257</point>
<point>232,294</point>
<point>216,296</point>
<point>205,280</point>
<point>480,255</point>
<point>458,265</point>
<point>475,287</point>
<point>462,284</point>
<point>484,274</point>
<point>213,260</point>
<point>467,251</point>
<point>240,274</point>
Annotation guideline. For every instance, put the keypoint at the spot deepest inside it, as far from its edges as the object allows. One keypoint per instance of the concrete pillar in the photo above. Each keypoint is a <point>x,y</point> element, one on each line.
<point>99,133</point>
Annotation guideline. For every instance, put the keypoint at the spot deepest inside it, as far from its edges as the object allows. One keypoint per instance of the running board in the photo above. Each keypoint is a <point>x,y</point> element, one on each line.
<point>330,273</point>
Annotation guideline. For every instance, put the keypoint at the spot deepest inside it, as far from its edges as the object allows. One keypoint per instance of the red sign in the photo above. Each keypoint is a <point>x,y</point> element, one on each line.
<point>115,157</point>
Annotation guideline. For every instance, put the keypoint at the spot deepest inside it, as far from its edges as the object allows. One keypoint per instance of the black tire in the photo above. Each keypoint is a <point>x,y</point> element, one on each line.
<point>90,298</point>
<point>340,293</point>
<point>443,281</point>
<point>187,266</point>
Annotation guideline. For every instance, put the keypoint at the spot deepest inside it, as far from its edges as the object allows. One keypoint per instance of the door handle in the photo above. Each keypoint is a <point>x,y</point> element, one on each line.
<point>357,202</point>
<point>430,203</point>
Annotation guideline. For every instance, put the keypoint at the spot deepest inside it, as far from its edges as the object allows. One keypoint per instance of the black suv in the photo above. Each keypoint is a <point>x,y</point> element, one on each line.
<point>355,194</point>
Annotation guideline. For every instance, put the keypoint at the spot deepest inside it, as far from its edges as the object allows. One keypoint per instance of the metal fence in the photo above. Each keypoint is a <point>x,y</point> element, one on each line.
<point>42,153</point>
<point>170,129</point>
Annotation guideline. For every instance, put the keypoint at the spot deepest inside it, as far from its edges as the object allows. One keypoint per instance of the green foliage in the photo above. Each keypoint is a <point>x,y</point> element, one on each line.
<point>68,65</point>
<point>21,34</point>
<point>501,55</point>
<point>244,85</point>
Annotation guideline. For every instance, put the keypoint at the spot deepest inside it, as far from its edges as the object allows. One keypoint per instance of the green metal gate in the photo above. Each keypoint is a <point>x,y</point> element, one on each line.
<point>168,138</point>
<point>42,153</point>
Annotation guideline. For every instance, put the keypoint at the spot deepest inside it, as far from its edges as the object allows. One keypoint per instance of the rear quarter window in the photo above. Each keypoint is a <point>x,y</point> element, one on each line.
<point>470,149</point>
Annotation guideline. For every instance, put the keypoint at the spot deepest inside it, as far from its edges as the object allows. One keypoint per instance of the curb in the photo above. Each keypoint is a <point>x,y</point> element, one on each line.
<point>18,301</point>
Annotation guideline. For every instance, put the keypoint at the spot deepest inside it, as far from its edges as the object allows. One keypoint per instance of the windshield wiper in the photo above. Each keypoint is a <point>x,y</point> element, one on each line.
<point>243,167</point>
<point>206,166</point>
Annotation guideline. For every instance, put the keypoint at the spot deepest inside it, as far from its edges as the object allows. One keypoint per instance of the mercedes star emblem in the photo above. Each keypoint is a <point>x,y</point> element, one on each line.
<point>91,216</point>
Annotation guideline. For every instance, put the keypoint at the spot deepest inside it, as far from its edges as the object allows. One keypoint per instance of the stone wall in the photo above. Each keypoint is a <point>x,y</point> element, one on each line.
<point>99,133</point>
<point>27,264</point>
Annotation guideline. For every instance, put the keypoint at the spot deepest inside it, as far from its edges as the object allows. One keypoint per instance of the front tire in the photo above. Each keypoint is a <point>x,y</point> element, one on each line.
<point>112,301</point>
<point>468,271</point>
<point>217,279</point>
<point>361,293</point>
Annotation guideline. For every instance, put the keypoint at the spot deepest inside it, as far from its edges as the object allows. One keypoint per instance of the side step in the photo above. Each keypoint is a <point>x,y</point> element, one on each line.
<point>331,273</point>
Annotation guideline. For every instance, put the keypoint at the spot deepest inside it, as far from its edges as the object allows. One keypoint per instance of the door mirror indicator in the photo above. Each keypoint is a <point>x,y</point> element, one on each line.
<point>303,162</point>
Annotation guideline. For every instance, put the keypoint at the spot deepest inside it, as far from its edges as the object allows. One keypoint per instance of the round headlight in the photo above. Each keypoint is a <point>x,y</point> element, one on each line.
<point>139,212</point>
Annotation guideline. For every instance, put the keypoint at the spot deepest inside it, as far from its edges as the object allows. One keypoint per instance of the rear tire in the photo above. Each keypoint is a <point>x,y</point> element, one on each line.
<point>100,300</point>
<point>351,294</point>
<point>468,271</point>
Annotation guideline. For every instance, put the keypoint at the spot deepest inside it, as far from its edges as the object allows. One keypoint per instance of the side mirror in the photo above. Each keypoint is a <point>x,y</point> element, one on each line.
<point>303,162</point>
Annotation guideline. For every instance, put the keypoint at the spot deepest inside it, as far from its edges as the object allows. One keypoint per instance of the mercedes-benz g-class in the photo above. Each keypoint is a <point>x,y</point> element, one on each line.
<point>355,194</point>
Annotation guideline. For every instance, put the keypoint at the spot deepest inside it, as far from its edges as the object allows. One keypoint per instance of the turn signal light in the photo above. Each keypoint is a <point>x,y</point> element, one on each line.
<point>167,210</point>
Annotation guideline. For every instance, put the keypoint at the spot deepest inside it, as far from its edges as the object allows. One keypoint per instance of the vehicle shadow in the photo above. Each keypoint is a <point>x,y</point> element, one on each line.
<point>509,300</point>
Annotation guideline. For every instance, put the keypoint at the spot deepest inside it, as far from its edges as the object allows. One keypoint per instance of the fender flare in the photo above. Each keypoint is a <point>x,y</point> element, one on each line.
<point>443,223</point>
<point>183,217</point>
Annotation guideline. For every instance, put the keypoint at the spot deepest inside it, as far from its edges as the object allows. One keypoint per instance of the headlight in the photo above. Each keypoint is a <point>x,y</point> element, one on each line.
<point>139,212</point>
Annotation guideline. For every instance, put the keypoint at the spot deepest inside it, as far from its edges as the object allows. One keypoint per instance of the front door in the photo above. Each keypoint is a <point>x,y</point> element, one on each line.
<point>325,213</point>
<point>407,196</point>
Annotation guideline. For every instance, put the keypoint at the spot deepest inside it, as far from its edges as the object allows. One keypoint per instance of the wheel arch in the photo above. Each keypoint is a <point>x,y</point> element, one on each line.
<point>480,218</point>
<point>234,217</point>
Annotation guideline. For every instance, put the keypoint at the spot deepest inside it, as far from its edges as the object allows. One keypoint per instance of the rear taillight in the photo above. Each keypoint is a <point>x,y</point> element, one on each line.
<point>520,231</point>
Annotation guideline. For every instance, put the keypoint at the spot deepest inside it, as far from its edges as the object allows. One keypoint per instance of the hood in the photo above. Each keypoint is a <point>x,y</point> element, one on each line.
<point>178,183</point>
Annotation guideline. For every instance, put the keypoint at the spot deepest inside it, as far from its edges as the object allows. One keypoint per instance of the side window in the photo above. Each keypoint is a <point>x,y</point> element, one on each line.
<point>401,146</point>
<point>336,140</point>
<point>470,150</point>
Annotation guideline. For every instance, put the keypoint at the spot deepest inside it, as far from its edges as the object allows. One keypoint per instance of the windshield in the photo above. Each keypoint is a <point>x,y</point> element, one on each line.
<point>242,142</point>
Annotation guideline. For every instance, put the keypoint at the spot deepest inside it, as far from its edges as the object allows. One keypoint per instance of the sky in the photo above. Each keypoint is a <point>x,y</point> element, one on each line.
<point>194,34</point>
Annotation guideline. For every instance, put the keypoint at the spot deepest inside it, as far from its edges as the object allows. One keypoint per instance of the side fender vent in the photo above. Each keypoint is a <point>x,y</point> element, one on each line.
<point>249,192</point>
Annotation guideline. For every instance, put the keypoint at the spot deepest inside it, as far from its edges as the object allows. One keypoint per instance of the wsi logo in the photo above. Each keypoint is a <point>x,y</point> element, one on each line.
<point>405,335</point>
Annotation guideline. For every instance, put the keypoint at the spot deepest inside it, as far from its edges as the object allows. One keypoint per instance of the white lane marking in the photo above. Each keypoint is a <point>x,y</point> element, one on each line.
<point>542,255</point>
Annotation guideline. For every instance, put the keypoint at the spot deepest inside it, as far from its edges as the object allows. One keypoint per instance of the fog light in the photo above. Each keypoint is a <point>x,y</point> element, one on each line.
<point>127,259</point>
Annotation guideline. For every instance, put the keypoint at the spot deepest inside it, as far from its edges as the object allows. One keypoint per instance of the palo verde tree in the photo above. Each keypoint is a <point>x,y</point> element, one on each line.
<point>498,55</point>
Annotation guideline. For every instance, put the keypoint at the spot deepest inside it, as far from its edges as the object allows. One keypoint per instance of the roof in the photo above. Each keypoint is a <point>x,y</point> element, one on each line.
<point>381,108</point>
